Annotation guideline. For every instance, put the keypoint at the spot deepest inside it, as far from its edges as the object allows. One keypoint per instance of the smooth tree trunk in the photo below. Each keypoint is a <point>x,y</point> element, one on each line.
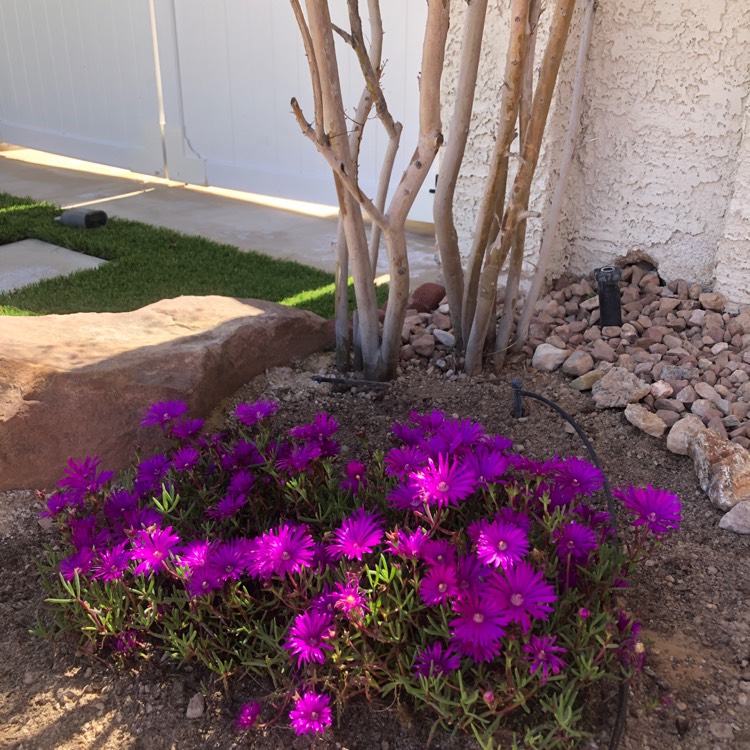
<point>445,228</point>
<point>494,191</point>
<point>515,212</point>
<point>553,215</point>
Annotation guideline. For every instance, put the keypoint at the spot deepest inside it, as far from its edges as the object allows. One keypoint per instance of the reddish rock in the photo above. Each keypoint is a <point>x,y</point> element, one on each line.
<point>427,297</point>
<point>77,385</point>
<point>723,469</point>
<point>424,345</point>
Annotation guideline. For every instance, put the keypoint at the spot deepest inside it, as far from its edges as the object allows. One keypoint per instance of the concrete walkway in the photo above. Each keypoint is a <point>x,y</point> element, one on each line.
<point>283,229</point>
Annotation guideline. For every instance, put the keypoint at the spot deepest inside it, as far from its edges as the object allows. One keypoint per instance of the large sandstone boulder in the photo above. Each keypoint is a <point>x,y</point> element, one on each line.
<point>76,385</point>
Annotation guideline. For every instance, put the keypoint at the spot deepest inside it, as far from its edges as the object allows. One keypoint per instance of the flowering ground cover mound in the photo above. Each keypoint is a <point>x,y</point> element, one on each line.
<point>510,522</point>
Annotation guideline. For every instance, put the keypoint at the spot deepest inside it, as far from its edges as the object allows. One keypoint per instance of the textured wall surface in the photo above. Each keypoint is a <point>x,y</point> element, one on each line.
<point>660,140</point>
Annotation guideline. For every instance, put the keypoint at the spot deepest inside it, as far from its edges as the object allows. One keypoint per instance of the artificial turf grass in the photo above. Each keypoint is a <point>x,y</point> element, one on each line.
<point>148,263</point>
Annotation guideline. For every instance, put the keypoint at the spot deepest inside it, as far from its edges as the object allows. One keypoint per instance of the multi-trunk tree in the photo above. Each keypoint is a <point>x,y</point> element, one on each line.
<point>500,232</point>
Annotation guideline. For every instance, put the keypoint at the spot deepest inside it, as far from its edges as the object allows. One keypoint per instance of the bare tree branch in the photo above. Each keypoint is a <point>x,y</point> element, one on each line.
<point>445,228</point>
<point>560,27</point>
<point>553,216</point>
<point>313,65</point>
<point>494,190</point>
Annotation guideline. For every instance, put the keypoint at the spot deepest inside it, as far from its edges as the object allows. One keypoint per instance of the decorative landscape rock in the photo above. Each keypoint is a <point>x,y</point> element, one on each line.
<point>618,388</point>
<point>737,519</point>
<point>426,297</point>
<point>578,363</point>
<point>645,420</point>
<point>680,434</point>
<point>548,358</point>
<point>76,385</point>
<point>723,469</point>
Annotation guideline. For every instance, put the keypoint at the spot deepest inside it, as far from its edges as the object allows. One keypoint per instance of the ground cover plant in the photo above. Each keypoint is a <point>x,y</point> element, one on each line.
<point>447,571</point>
<point>147,264</point>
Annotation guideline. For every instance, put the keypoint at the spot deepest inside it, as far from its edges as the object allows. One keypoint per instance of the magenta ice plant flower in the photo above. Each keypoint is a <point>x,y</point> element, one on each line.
<point>350,599</point>
<point>501,544</point>
<point>185,459</point>
<point>78,563</point>
<point>400,462</point>
<point>162,413</point>
<point>356,478</point>
<point>443,484</point>
<point>439,584</point>
<point>573,476</point>
<point>522,594</point>
<point>479,627</point>
<point>658,509</point>
<point>435,660</point>
<point>577,540</point>
<point>153,547</point>
<point>544,656</point>
<point>406,544</point>
<point>311,713</point>
<point>187,429</point>
<point>247,716</point>
<point>308,636</point>
<point>252,413</point>
<point>285,549</point>
<point>358,534</point>
<point>112,564</point>
<point>83,478</point>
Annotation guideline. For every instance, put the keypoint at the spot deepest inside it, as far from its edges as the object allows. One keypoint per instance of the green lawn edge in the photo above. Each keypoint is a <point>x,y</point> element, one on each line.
<point>148,263</point>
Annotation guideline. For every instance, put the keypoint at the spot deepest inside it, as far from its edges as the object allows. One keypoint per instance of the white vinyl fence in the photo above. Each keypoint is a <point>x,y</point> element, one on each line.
<point>196,90</point>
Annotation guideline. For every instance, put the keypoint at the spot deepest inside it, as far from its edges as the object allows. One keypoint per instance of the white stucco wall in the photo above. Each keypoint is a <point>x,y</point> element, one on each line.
<point>660,141</point>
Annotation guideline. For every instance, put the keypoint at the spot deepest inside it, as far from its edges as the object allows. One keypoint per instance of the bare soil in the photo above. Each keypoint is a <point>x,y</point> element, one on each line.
<point>692,598</point>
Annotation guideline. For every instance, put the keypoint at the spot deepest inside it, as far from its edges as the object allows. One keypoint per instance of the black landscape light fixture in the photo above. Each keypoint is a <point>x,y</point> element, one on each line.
<point>608,281</point>
<point>84,218</point>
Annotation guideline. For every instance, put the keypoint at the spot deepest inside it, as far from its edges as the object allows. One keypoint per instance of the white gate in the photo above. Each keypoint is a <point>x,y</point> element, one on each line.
<point>196,89</point>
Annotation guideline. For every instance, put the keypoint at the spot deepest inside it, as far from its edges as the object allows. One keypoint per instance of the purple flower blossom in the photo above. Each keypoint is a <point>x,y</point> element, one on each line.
<point>355,477</point>
<point>308,635</point>
<point>325,602</point>
<point>185,459</point>
<point>153,548</point>
<point>297,458</point>
<point>320,430</point>
<point>59,501</point>
<point>439,584</point>
<point>479,626</point>
<point>81,477</point>
<point>469,574</point>
<point>112,564</point>
<point>406,545</point>
<point>501,544</point>
<point>79,562</point>
<point>127,641</point>
<point>358,534</point>
<point>195,553</point>
<point>543,656</point>
<point>201,581</point>
<point>83,533</point>
<point>498,443</point>
<point>404,497</point>
<point>459,436</point>
<point>400,462</point>
<point>577,540</point>
<point>407,434</point>
<point>246,453</point>
<point>150,473</point>
<point>573,477</point>
<point>444,484</point>
<point>523,594</point>
<point>119,502</point>
<point>162,413</point>
<point>227,560</point>
<point>428,423</point>
<point>187,429</point>
<point>241,483</point>
<point>658,509</point>
<point>311,713</point>
<point>350,599</point>
<point>488,465</point>
<point>227,506</point>
<point>247,716</point>
<point>252,413</point>
<point>435,660</point>
<point>438,551</point>
<point>286,549</point>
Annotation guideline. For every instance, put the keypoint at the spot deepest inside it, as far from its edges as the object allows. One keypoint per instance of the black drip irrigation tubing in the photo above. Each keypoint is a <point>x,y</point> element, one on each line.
<point>518,395</point>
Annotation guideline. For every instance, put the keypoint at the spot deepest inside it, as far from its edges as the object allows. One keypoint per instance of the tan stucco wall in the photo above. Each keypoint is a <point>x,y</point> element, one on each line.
<point>659,158</point>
